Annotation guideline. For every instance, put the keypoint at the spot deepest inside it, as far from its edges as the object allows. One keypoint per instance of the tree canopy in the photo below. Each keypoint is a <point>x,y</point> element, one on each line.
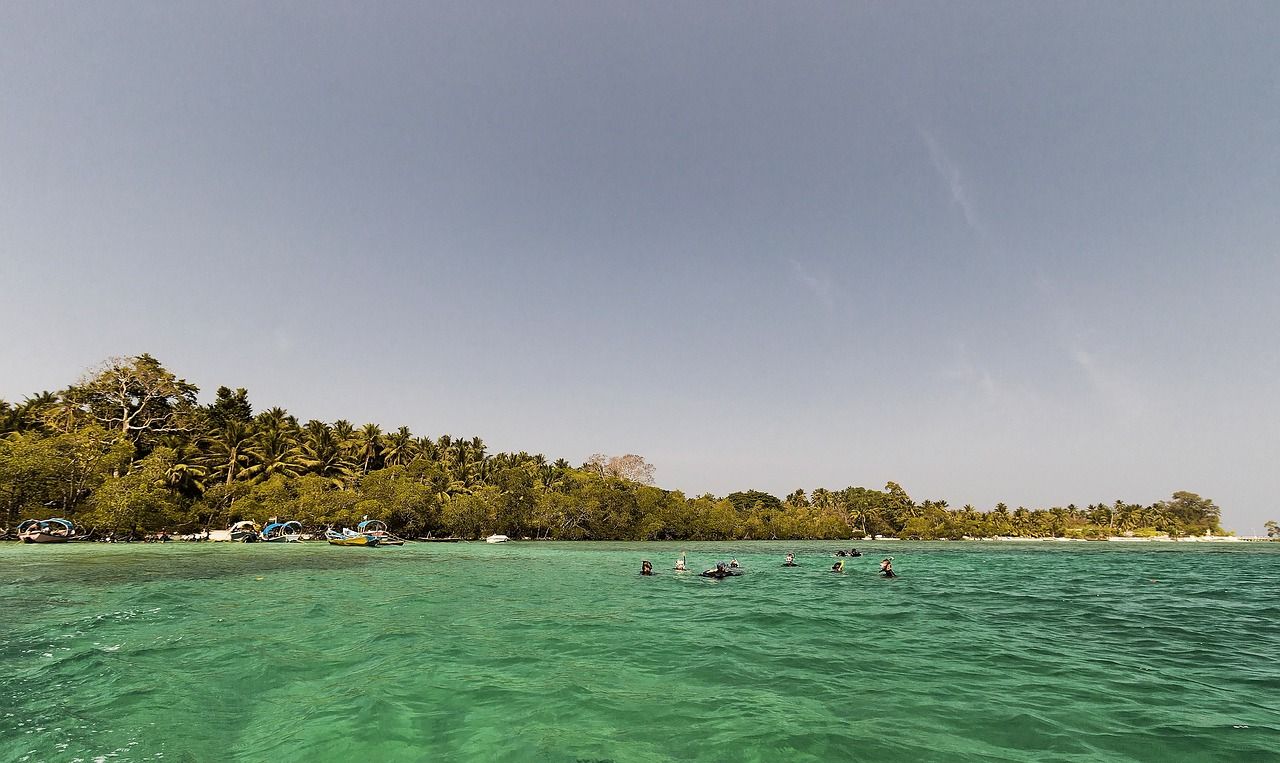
<point>128,449</point>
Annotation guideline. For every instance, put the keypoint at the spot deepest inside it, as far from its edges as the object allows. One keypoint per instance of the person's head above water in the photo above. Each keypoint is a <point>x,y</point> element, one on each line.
<point>646,567</point>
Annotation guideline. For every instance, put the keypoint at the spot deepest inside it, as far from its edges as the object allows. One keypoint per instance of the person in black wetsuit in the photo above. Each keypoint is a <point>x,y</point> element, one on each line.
<point>791,560</point>
<point>886,568</point>
<point>719,572</point>
<point>838,566</point>
<point>646,567</point>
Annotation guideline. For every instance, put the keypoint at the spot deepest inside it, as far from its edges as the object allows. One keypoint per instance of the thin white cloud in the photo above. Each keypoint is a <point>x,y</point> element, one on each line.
<point>822,287</point>
<point>950,174</point>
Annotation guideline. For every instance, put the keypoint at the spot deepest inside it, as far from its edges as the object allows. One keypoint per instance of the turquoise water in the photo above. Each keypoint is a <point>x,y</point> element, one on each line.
<point>562,652</point>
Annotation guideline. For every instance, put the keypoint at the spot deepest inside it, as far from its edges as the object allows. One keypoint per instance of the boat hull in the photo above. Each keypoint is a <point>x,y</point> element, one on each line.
<point>360,541</point>
<point>44,538</point>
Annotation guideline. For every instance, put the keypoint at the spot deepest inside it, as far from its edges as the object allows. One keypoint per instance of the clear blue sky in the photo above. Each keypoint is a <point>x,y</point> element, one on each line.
<point>1019,252</point>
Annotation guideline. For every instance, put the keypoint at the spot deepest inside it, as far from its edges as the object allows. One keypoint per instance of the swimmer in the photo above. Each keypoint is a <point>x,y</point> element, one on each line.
<point>680,563</point>
<point>646,567</point>
<point>733,563</point>
<point>886,567</point>
<point>719,572</point>
<point>791,560</point>
<point>838,566</point>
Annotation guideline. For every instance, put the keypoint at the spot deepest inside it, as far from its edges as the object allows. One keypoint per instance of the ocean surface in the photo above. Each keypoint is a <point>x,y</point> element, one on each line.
<point>563,652</point>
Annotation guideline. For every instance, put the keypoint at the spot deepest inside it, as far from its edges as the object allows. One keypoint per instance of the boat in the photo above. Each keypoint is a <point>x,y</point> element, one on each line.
<point>282,532</point>
<point>496,539</point>
<point>378,529</point>
<point>245,531</point>
<point>55,530</point>
<point>350,538</point>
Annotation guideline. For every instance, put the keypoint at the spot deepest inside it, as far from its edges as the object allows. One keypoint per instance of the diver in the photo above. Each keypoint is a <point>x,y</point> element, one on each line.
<point>720,571</point>
<point>841,552</point>
<point>791,560</point>
<point>838,566</point>
<point>854,552</point>
<point>646,567</point>
<point>886,568</point>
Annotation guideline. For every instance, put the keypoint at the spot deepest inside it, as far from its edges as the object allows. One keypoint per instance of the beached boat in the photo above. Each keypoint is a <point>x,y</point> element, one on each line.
<point>282,532</point>
<point>378,529</point>
<point>55,530</point>
<point>350,538</point>
<point>245,531</point>
<point>496,539</point>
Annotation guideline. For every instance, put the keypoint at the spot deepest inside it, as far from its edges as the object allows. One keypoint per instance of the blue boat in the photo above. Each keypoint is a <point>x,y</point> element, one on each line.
<point>282,532</point>
<point>378,529</point>
<point>55,530</point>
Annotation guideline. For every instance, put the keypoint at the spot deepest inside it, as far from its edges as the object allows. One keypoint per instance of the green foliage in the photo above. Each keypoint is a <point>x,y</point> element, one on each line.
<point>128,451</point>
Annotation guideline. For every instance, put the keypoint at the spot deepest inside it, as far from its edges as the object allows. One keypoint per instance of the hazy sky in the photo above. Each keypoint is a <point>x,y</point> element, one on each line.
<point>1022,252</point>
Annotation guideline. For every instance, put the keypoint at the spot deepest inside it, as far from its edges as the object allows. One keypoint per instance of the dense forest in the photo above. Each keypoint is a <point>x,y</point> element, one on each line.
<point>129,450</point>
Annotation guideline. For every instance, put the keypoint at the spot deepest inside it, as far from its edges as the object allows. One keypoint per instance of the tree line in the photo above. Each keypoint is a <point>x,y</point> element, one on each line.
<point>129,450</point>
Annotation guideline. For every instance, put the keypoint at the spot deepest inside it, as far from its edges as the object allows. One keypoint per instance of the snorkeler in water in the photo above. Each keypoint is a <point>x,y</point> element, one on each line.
<point>791,560</point>
<point>886,568</point>
<point>838,566</point>
<point>680,563</point>
<point>646,567</point>
<point>720,571</point>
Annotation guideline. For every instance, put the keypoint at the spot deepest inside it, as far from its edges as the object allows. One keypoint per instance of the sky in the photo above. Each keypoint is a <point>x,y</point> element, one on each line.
<point>1018,252</point>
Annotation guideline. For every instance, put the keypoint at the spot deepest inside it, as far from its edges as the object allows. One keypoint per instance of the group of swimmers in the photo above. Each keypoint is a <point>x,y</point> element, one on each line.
<point>731,568</point>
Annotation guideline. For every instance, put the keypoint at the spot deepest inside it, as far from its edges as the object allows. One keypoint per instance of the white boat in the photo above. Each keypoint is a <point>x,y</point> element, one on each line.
<point>496,539</point>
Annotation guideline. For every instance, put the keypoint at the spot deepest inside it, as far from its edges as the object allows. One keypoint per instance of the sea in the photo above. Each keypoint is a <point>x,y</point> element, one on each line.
<point>563,652</point>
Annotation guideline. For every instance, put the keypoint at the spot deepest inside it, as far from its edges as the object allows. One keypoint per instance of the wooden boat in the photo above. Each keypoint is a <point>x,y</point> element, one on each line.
<point>282,532</point>
<point>55,530</point>
<point>245,531</point>
<point>378,529</point>
<point>350,538</point>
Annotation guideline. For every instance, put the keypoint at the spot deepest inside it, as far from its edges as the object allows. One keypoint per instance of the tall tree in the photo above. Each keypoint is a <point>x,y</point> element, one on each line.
<point>136,397</point>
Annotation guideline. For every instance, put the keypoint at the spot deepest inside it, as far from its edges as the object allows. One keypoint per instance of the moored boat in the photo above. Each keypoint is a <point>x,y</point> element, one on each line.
<point>55,530</point>
<point>496,539</point>
<point>245,531</point>
<point>282,532</point>
<point>350,538</point>
<point>378,529</point>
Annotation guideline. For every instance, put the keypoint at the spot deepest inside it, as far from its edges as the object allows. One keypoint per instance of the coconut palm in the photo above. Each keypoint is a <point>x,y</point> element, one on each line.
<point>398,447</point>
<point>274,452</point>
<point>229,450</point>
<point>323,455</point>
<point>369,446</point>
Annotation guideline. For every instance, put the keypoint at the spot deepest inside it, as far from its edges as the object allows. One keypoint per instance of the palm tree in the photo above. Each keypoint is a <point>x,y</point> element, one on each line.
<point>398,447</point>
<point>229,450</point>
<point>273,452</point>
<point>323,455</point>
<point>369,446</point>
<point>426,448</point>
<point>275,418</point>
<point>32,411</point>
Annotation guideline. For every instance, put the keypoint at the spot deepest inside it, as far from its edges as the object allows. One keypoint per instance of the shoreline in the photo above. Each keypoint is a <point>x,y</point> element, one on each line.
<point>996,539</point>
